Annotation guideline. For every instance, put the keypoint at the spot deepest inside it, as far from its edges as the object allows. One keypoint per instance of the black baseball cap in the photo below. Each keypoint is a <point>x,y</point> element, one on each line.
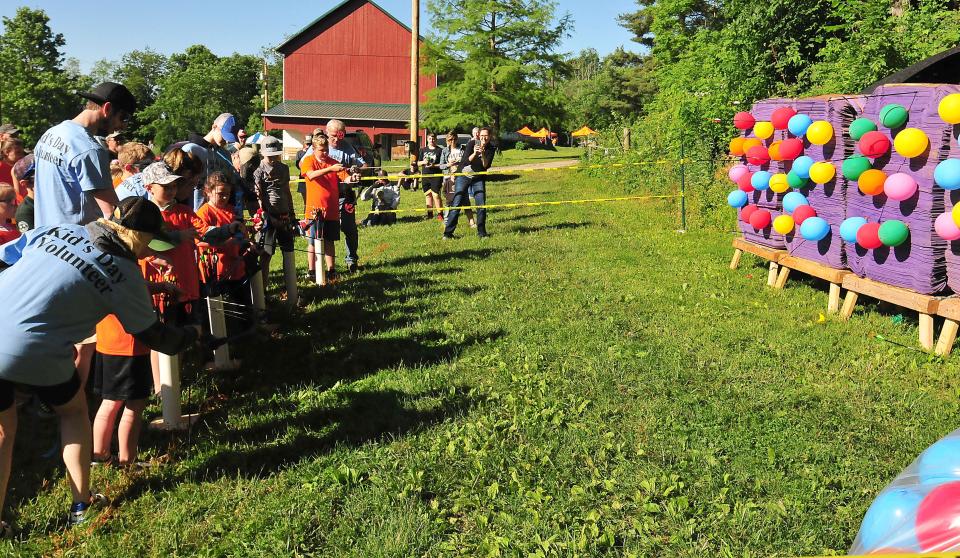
<point>139,214</point>
<point>114,93</point>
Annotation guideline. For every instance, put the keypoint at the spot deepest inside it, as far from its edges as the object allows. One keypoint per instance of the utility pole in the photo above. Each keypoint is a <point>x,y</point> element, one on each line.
<point>415,76</point>
<point>266,88</point>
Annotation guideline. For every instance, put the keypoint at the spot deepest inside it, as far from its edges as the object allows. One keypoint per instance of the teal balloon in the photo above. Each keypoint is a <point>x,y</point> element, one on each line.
<point>890,521</point>
<point>760,180</point>
<point>801,166</point>
<point>796,181</point>
<point>861,126</point>
<point>849,228</point>
<point>793,200</point>
<point>940,462</point>
<point>798,124</point>
<point>814,228</point>
<point>947,174</point>
<point>737,198</point>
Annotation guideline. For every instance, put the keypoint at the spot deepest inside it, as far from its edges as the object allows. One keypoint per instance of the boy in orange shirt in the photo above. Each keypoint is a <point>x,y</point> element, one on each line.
<point>323,201</point>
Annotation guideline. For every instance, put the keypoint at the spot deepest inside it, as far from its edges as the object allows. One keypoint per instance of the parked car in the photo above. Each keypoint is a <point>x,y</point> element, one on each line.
<point>366,148</point>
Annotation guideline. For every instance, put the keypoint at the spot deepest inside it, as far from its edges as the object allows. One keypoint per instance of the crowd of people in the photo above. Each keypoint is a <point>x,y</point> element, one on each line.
<point>108,251</point>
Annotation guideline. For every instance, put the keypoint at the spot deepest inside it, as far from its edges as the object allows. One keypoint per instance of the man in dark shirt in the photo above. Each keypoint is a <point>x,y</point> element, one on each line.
<point>477,157</point>
<point>429,164</point>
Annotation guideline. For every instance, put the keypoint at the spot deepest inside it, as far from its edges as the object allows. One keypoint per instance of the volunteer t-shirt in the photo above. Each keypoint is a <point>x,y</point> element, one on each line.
<point>230,266</point>
<point>59,286</point>
<point>134,185</point>
<point>323,192</point>
<point>71,164</point>
<point>112,339</point>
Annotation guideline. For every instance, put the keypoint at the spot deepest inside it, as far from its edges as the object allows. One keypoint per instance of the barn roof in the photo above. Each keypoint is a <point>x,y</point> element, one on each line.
<point>943,67</point>
<point>293,38</point>
<point>324,110</point>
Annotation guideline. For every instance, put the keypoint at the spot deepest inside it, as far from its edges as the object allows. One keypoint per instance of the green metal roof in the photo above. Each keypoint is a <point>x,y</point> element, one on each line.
<point>307,27</point>
<point>345,111</point>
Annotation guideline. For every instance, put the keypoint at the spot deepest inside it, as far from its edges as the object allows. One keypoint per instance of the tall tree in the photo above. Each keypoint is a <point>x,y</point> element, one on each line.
<point>35,90</point>
<point>497,61</point>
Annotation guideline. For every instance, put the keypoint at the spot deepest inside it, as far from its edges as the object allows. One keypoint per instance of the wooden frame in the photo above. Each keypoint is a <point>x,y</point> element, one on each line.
<point>925,305</point>
<point>770,254</point>
<point>831,275</point>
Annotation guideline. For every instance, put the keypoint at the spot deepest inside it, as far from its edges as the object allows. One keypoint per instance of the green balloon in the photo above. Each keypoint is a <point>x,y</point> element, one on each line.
<point>893,115</point>
<point>795,180</point>
<point>861,126</point>
<point>853,167</point>
<point>893,233</point>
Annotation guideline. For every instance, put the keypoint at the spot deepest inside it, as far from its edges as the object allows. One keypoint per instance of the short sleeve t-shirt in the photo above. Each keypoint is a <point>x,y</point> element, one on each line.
<point>70,165</point>
<point>113,340</point>
<point>183,257</point>
<point>59,287</point>
<point>478,164</point>
<point>230,266</point>
<point>323,192</point>
<point>133,186</point>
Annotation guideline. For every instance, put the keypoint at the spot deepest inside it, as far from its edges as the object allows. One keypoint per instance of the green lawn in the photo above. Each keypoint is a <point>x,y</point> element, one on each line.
<point>514,157</point>
<point>587,382</point>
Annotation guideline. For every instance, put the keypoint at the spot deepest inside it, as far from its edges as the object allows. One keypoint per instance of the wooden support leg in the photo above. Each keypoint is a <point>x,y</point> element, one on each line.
<point>947,336</point>
<point>782,278</point>
<point>849,303</point>
<point>772,276</point>
<point>926,331</point>
<point>833,303</point>
<point>735,262</point>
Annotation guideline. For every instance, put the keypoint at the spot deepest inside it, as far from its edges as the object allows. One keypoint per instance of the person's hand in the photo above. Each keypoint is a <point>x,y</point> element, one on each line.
<point>172,289</point>
<point>336,168</point>
<point>355,177</point>
<point>161,263</point>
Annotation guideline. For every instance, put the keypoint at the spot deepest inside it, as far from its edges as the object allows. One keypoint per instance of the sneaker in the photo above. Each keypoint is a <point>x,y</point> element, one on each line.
<point>332,276</point>
<point>447,237</point>
<point>353,268</point>
<point>109,461</point>
<point>80,512</point>
<point>483,235</point>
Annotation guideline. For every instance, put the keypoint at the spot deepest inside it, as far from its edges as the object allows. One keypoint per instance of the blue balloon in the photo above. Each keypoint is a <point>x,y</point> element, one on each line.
<point>940,462</point>
<point>760,180</point>
<point>849,228</point>
<point>947,174</point>
<point>798,124</point>
<point>737,198</point>
<point>793,200</point>
<point>814,228</point>
<point>889,522</point>
<point>801,166</point>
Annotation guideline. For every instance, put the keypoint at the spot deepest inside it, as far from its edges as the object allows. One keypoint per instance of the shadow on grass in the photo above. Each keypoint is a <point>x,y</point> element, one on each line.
<point>556,227</point>
<point>468,254</point>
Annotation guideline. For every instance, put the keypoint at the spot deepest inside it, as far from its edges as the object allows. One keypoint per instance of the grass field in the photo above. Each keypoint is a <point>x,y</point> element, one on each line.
<point>513,157</point>
<point>587,382</point>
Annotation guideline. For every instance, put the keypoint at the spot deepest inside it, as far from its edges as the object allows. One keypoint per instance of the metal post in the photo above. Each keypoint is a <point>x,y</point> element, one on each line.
<point>683,186</point>
<point>415,72</point>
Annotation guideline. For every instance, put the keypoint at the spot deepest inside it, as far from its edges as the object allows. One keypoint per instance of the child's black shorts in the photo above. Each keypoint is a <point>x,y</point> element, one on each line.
<point>122,378</point>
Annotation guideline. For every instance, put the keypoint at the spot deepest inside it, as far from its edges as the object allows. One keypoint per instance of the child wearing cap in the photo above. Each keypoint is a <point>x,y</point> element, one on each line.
<point>8,208</point>
<point>23,175</point>
<point>323,202</point>
<point>383,196</point>
<point>271,182</point>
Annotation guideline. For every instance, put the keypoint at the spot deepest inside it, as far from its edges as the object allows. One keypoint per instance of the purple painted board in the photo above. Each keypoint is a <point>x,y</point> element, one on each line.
<point>828,251</point>
<point>765,237</point>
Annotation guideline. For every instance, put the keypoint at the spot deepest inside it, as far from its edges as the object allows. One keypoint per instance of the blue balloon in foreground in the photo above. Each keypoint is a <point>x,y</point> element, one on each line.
<point>737,198</point>
<point>793,200</point>
<point>801,166</point>
<point>798,124</point>
<point>849,228</point>
<point>947,174</point>
<point>890,520</point>
<point>760,180</point>
<point>940,462</point>
<point>814,228</point>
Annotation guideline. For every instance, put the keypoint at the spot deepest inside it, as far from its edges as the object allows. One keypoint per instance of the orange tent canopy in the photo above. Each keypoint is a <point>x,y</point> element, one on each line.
<point>585,131</point>
<point>525,131</point>
<point>541,133</point>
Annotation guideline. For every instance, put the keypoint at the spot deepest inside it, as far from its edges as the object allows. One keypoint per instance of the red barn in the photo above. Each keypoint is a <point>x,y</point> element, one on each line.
<point>351,63</point>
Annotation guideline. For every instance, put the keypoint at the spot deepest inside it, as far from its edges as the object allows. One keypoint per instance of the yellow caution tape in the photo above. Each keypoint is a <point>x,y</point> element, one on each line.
<point>393,177</point>
<point>523,204</point>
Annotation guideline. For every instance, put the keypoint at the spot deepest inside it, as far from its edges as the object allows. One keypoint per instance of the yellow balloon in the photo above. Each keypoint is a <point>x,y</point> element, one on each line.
<point>820,132</point>
<point>911,142</point>
<point>763,130</point>
<point>949,108</point>
<point>784,224</point>
<point>822,172</point>
<point>955,213</point>
<point>778,183</point>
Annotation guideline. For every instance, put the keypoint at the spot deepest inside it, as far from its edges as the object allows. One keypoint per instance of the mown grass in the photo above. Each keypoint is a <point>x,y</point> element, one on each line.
<point>587,382</point>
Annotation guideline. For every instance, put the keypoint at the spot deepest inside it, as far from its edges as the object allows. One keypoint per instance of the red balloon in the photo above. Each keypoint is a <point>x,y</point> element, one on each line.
<point>791,148</point>
<point>802,213</point>
<point>744,182</point>
<point>869,236</point>
<point>938,518</point>
<point>781,116</point>
<point>874,144</point>
<point>760,219</point>
<point>758,155</point>
<point>744,120</point>
<point>747,212</point>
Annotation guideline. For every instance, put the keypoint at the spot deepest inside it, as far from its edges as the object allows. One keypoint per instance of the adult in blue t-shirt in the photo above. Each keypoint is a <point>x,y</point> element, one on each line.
<point>57,282</point>
<point>73,183</point>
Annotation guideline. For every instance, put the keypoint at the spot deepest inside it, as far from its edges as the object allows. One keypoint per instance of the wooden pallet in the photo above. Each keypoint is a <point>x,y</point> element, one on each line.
<point>772,255</point>
<point>832,275</point>
<point>949,308</point>
<point>925,305</point>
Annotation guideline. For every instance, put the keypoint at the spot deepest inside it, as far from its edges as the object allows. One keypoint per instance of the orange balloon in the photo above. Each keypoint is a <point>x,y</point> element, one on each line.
<point>736,146</point>
<point>750,142</point>
<point>775,151</point>
<point>871,182</point>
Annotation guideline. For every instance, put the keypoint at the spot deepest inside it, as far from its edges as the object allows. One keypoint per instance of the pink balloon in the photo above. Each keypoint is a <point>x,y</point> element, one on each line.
<point>899,186</point>
<point>946,227</point>
<point>736,171</point>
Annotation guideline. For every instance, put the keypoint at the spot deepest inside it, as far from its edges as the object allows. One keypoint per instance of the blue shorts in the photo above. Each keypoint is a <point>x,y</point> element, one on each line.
<point>330,230</point>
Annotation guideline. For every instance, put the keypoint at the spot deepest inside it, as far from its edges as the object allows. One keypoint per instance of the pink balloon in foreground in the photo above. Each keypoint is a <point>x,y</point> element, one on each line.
<point>899,186</point>
<point>946,227</point>
<point>736,171</point>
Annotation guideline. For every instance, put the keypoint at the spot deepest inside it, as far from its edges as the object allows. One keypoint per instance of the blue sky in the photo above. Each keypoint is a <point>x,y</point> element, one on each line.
<point>109,28</point>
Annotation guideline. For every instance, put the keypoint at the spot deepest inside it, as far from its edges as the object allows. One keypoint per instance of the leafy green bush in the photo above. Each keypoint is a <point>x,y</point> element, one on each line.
<point>521,146</point>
